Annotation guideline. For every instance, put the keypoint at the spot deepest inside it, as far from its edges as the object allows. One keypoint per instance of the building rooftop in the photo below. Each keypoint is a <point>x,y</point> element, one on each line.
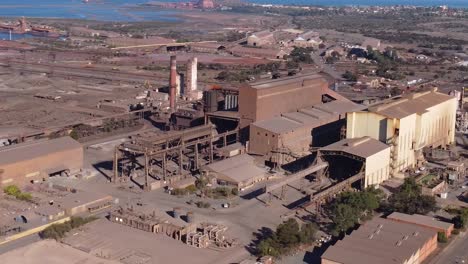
<point>420,220</point>
<point>214,45</point>
<point>308,117</point>
<point>263,34</point>
<point>81,198</point>
<point>380,241</point>
<point>298,79</point>
<point>309,35</point>
<point>416,103</point>
<point>257,51</point>
<point>362,147</point>
<point>238,168</point>
<point>35,149</point>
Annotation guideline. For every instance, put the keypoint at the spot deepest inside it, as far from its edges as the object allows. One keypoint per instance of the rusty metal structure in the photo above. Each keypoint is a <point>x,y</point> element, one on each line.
<point>173,84</point>
<point>188,148</point>
<point>149,223</point>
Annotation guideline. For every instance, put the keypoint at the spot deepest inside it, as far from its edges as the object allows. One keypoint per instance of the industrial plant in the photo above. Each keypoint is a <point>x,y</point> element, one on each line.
<point>240,146</point>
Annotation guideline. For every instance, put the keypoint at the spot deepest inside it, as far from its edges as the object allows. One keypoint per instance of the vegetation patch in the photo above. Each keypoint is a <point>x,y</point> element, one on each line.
<point>58,231</point>
<point>14,191</point>
<point>287,237</point>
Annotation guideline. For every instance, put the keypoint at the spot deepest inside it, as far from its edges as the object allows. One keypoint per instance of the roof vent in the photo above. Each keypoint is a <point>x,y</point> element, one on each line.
<point>371,236</point>
<point>380,226</point>
<point>399,243</point>
<point>415,233</point>
<point>405,237</point>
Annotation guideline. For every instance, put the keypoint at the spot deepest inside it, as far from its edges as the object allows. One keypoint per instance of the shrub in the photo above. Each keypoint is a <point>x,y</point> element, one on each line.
<point>235,191</point>
<point>179,192</point>
<point>58,231</point>
<point>441,237</point>
<point>201,204</point>
<point>24,197</point>
<point>191,188</point>
<point>456,231</point>
<point>12,190</point>
<point>16,192</point>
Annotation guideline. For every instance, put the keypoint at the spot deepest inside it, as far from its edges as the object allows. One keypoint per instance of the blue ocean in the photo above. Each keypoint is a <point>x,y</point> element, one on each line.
<point>120,10</point>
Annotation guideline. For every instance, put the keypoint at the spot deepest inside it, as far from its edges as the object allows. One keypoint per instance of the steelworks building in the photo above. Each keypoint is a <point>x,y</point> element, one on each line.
<point>37,160</point>
<point>408,124</point>
<point>383,241</point>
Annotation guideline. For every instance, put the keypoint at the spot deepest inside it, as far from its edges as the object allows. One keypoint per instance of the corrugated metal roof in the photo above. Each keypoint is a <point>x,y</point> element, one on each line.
<point>285,81</point>
<point>417,103</point>
<point>263,34</point>
<point>420,220</point>
<point>238,168</point>
<point>308,117</point>
<point>380,241</point>
<point>362,147</point>
<point>35,149</point>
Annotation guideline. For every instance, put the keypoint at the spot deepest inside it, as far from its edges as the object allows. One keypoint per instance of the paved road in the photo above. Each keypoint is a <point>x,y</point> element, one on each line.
<point>19,243</point>
<point>327,68</point>
<point>455,253</point>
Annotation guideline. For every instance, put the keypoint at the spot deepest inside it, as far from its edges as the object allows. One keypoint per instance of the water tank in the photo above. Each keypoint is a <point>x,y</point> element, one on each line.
<point>190,217</point>
<point>176,212</point>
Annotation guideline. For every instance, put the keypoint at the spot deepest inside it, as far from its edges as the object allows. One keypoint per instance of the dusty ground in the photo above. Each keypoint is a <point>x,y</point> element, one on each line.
<point>110,240</point>
<point>50,252</point>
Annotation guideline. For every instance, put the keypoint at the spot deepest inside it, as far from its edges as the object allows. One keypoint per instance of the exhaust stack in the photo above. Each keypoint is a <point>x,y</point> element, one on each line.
<point>173,84</point>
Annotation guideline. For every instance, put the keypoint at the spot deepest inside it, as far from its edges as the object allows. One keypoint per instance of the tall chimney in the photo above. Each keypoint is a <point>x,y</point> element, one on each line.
<point>191,75</point>
<point>172,83</point>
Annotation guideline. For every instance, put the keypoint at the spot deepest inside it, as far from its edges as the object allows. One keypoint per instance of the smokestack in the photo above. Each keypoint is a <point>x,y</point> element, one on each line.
<point>192,66</point>
<point>172,83</point>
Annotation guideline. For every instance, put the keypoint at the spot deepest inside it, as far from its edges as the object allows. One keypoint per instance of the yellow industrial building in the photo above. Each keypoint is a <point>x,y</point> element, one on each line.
<point>408,124</point>
<point>359,155</point>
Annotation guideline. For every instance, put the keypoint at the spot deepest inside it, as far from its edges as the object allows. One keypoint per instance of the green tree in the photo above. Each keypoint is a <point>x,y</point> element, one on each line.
<point>410,200</point>
<point>74,134</point>
<point>461,220</point>
<point>349,76</point>
<point>350,208</point>
<point>299,54</point>
<point>287,236</point>
<point>288,233</point>
<point>307,234</point>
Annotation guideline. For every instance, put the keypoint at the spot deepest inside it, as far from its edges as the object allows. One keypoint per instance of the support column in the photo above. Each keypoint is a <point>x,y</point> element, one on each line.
<point>181,159</point>
<point>211,150</point>
<point>116,165</point>
<point>196,157</point>
<point>164,166</point>
<point>146,170</point>
<point>224,140</point>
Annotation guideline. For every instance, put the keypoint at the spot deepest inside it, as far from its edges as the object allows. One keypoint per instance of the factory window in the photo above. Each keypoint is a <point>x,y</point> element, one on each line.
<point>272,135</point>
<point>258,133</point>
<point>266,134</point>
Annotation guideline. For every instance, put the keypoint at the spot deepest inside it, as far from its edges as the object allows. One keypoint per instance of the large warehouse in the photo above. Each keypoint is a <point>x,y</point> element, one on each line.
<point>266,99</point>
<point>349,156</point>
<point>407,124</point>
<point>294,133</point>
<point>37,160</point>
<point>383,241</point>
